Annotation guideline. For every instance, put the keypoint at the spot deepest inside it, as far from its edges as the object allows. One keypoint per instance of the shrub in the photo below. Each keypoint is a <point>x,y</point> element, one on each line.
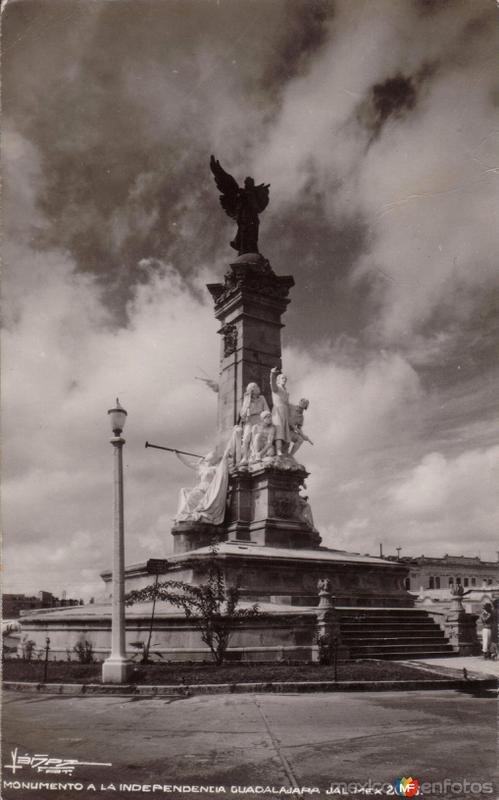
<point>212,606</point>
<point>84,651</point>
<point>327,647</point>
<point>27,649</point>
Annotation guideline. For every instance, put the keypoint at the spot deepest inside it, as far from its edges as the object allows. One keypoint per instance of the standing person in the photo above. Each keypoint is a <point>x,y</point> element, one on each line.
<point>254,404</point>
<point>486,618</point>
<point>280,411</point>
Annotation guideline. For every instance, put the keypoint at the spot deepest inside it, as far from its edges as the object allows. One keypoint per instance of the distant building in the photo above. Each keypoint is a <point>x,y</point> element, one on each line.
<point>428,572</point>
<point>13,605</point>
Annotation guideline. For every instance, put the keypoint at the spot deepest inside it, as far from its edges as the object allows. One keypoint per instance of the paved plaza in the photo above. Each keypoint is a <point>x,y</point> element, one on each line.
<point>453,665</point>
<point>248,741</point>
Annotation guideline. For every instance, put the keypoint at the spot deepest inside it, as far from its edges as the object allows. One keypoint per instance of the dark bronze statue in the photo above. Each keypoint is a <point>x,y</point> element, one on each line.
<point>242,204</point>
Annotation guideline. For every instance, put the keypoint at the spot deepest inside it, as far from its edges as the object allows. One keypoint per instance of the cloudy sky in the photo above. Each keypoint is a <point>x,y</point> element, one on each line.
<point>374,121</point>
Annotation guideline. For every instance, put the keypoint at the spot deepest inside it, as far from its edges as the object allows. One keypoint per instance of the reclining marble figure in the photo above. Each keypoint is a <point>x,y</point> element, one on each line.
<point>205,502</point>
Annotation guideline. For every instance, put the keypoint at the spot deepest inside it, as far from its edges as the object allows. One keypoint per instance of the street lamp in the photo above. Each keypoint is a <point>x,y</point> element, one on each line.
<point>117,667</point>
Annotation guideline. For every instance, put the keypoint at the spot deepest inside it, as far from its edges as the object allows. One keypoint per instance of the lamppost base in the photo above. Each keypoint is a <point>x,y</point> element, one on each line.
<point>116,670</point>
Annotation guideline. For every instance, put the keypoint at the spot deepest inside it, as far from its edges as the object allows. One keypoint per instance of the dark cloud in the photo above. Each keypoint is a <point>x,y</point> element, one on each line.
<point>471,340</point>
<point>320,251</point>
<point>391,98</point>
<point>124,138</point>
<point>298,41</point>
<point>432,6</point>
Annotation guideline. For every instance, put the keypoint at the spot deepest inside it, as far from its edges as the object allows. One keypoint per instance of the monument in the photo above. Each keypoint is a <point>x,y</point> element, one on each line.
<point>249,495</point>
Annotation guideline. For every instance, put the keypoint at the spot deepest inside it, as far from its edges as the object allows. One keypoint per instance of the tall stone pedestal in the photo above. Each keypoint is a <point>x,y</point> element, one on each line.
<point>249,305</point>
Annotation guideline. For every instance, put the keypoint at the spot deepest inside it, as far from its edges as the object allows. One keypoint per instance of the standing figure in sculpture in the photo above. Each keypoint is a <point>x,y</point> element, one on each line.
<point>280,411</point>
<point>233,448</point>
<point>254,403</point>
<point>296,420</point>
<point>262,438</point>
<point>242,204</point>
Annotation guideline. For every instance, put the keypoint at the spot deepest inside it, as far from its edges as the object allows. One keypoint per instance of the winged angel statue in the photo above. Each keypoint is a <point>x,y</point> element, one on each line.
<point>242,204</point>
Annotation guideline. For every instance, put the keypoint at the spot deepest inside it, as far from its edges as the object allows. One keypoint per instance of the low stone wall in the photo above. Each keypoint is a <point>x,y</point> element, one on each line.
<point>268,637</point>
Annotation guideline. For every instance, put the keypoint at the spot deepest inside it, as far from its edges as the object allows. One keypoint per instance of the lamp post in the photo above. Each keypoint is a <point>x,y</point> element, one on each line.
<point>117,667</point>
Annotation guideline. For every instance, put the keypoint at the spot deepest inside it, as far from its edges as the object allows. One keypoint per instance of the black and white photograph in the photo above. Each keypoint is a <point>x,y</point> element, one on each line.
<point>250,441</point>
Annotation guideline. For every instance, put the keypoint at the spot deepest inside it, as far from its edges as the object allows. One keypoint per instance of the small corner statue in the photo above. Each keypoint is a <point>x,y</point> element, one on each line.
<point>242,204</point>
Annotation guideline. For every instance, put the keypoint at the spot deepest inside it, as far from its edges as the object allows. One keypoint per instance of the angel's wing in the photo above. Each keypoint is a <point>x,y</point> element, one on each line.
<point>227,185</point>
<point>262,196</point>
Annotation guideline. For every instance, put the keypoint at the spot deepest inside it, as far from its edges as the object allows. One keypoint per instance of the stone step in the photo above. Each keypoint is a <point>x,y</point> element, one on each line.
<point>396,633</point>
<point>400,653</point>
<point>353,641</point>
<point>403,655</point>
<point>392,618</point>
<point>364,626</point>
<point>406,647</point>
<point>391,634</point>
<point>345,611</point>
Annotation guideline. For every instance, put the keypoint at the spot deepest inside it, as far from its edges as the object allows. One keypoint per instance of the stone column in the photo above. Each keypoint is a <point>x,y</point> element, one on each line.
<point>117,667</point>
<point>460,627</point>
<point>328,628</point>
<point>249,305</point>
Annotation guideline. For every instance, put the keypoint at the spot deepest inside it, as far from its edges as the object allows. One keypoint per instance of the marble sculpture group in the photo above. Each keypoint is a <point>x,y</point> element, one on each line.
<point>262,437</point>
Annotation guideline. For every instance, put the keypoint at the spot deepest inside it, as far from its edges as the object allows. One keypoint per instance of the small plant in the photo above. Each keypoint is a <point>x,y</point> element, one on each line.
<point>27,649</point>
<point>144,652</point>
<point>68,654</point>
<point>326,646</point>
<point>84,651</point>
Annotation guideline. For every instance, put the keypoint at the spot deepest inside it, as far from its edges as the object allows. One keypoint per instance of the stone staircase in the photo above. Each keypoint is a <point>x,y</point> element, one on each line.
<point>391,633</point>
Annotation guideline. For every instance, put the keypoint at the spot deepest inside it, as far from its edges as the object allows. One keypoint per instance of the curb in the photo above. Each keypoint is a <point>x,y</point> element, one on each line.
<point>250,688</point>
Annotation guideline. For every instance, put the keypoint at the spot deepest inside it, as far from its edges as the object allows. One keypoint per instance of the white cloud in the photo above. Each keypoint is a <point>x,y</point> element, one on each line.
<point>63,366</point>
<point>450,488</point>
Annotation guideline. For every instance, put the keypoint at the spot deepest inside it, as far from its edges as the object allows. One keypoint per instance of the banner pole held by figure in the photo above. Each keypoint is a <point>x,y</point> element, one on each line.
<point>173,450</point>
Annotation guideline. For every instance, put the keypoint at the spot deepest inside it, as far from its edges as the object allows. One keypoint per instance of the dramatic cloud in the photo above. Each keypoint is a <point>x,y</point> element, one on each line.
<point>374,124</point>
